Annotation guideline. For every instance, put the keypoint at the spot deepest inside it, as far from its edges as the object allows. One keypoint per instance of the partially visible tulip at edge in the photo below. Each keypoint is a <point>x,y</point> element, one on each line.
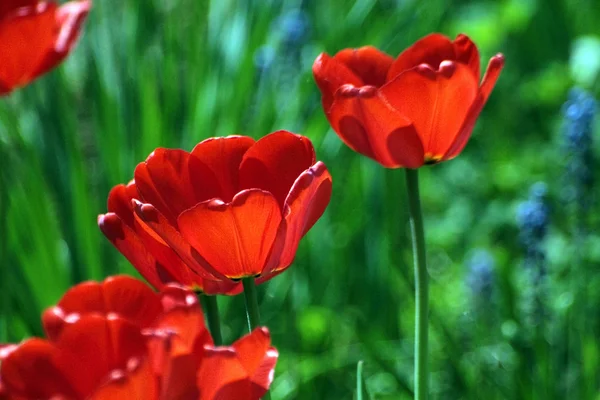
<point>121,340</point>
<point>417,109</point>
<point>35,36</point>
<point>231,208</point>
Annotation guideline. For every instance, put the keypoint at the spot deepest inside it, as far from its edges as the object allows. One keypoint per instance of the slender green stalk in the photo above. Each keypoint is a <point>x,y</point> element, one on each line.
<point>421,286</point>
<point>252,310</point>
<point>211,310</point>
<point>251,303</point>
<point>360,390</point>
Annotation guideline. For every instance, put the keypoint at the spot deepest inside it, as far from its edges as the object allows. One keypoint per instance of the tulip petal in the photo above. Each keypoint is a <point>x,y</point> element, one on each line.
<point>170,265</point>
<point>366,122</point>
<point>72,367</point>
<point>305,204</point>
<point>489,81</point>
<point>35,37</point>
<point>239,390</point>
<point>22,56</point>
<point>431,50</point>
<point>176,342</point>
<point>119,202</point>
<point>127,241</point>
<point>168,169</point>
<point>226,287</point>
<point>185,327</point>
<point>147,251</point>
<point>235,238</point>
<point>176,179</point>
<point>33,371</point>
<point>150,194</point>
<point>368,63</point>
<point>152,221</point>
<point>178,379</point>
<point>467,53</point>
<point>135,382</point>
<point>176,296</point>
<point>437,102</point>
<point>177,372</point>
<point>257,357</point>
<point>220,367</point>
<point>5,350</point>
<point>166,258</point>
<point>491,75</point>
<point>274,162</point>
<point>330,75</point>
<point>243,372</point>
<point>121,295</point>
<point>69,17</point>
<point>110,343</point>
<point>8,7</point>
<point>311,193</point>
<point>223,155</point>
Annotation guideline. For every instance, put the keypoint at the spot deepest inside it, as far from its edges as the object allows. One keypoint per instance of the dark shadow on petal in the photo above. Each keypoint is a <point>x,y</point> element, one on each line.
<point>406,148</point>
<point>355,136</point>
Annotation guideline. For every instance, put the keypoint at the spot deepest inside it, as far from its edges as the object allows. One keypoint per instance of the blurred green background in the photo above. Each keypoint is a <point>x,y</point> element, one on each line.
<point>169,73</point>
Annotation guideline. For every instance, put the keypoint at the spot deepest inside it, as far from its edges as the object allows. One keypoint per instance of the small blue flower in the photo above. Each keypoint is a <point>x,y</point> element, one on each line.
<point>294,25</point>
<point>578,114</point>
<point>533,215</point>
<point>480,276</point>
<point>533,218</point>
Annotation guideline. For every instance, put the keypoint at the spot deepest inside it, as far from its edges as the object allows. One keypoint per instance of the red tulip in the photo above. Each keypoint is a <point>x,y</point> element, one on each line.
<point>123,296</point>
<point>35,36</point>
<point>120,340</point>
<point>417,109</point>
<point>232,208</point>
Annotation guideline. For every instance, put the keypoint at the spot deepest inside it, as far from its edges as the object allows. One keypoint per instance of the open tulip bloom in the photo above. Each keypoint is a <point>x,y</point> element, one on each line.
<point>419,108</point>
<point>231,209</point>
<point>35,36</point>
<point>120,340</point>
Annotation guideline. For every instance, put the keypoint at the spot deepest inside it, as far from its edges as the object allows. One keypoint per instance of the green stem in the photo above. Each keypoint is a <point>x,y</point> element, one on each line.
<point>359,382</point>
<point>252,311</point>
<point>251,303</point>
<point>421,285</point>
<point>211,310</point>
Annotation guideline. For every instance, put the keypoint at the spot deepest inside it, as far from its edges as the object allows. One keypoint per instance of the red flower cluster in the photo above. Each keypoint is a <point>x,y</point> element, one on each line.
<point>34,37</point>
<point>230,209</point>
<point>419,108</point>
<point>120,340</point>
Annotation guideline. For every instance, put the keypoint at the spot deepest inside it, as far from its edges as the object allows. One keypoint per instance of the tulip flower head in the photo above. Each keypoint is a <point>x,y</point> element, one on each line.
<point>232,208</point>
<point>35,36</point>
<point>120,340</point>
<point>417,109</point>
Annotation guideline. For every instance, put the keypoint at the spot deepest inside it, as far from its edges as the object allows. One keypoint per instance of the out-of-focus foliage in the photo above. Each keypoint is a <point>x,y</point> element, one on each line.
<point>170,73</point>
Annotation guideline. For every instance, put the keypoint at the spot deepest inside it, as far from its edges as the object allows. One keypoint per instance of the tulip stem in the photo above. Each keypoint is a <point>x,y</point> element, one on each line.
<point>252,311</point>
<point>211,310</point>
<point>421,285</point>
<point>251,303</point>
